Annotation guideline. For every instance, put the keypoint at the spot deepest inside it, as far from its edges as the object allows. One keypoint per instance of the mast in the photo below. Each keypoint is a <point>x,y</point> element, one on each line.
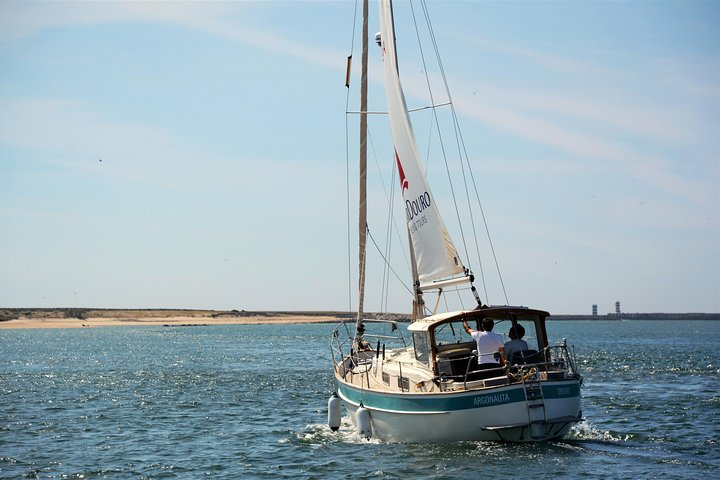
<point>362,214</point>
<point>418,302</point>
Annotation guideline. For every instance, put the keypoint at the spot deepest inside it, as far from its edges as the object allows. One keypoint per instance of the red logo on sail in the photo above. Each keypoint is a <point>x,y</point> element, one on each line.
<point>403,181</point>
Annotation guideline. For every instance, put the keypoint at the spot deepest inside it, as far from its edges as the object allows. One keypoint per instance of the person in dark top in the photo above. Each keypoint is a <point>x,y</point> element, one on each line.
<point>516,343</point>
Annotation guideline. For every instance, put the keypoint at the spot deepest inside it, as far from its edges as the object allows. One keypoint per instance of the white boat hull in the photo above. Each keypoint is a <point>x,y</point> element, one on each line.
<point>490,414</point>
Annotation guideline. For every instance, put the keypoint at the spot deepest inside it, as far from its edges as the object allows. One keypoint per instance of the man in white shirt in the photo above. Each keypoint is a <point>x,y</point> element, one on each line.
<point>488,342</point>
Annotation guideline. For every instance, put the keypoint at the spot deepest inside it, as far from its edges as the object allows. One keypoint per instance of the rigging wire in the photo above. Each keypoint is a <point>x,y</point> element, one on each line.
<point>387,262</point>
<point>391,220</point>
<point>392,226</point>
<point>388,243</point>
<point>460,298</point>
<point>458,141</point>
<point>437,123</point>
<point>487,228</point>
<point>464,163</point>
<point>464,156</point>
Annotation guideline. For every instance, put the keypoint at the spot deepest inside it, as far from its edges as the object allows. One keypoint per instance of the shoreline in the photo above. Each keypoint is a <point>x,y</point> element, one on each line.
<point>17,318</point>
<point>175,321</point>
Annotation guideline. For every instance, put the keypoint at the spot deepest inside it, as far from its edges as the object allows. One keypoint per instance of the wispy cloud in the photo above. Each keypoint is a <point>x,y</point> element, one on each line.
<point>222,19</point>
<point>644,122</point>
<point>628,115</point>
<point>658,99</point>
<point>558,63</point>
<point>22,19</point>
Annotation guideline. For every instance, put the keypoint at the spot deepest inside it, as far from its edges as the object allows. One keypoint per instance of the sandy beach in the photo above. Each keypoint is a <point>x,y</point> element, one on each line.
<point>91,318</point>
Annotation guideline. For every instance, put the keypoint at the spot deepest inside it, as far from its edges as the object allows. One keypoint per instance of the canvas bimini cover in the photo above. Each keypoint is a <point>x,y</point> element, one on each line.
<point>435,253</point>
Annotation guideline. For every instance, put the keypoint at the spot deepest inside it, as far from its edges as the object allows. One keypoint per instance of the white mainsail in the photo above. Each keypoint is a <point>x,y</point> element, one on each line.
<point>434,250</point>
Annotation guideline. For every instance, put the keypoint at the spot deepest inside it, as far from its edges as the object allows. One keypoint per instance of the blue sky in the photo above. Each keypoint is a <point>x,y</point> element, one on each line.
<point>593,128</point>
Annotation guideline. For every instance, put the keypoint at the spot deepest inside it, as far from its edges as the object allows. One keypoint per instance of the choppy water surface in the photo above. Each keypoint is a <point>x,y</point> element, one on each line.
<point>249,402</point>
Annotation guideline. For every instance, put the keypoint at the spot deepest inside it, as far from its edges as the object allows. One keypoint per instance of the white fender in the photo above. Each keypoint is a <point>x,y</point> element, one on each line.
<point>362,420</point>
<point>334,412</point>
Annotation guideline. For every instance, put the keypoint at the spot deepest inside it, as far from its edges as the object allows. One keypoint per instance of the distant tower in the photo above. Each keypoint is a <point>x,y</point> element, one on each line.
<point>617,310</point>
<point>594,310</point>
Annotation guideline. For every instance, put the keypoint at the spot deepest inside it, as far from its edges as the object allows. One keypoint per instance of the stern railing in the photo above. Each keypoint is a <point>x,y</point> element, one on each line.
<point>555,362</point>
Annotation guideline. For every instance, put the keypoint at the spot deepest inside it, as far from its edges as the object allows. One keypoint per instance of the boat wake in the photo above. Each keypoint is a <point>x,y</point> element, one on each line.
<point>586,431</point>
<point>584,437</point>
<point>319,434</point>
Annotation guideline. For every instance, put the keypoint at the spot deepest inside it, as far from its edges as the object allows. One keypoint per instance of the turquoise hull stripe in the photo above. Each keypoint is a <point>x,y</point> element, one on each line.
<point>422,403</point>
<point>567,390</point>
<point>418,403</point>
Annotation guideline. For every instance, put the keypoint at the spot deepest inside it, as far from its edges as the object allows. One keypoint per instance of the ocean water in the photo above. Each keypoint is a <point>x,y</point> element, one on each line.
<point>250,402</point>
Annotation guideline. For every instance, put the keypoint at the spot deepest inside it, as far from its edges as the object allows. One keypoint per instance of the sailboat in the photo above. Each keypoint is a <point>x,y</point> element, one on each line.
<point>432,381</point>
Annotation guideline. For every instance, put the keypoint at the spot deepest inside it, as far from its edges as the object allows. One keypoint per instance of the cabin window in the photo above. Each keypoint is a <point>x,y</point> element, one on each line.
<point>452,333</point>
<point>422,347</point>
<point>404,384</point>
<point>386,378</point>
